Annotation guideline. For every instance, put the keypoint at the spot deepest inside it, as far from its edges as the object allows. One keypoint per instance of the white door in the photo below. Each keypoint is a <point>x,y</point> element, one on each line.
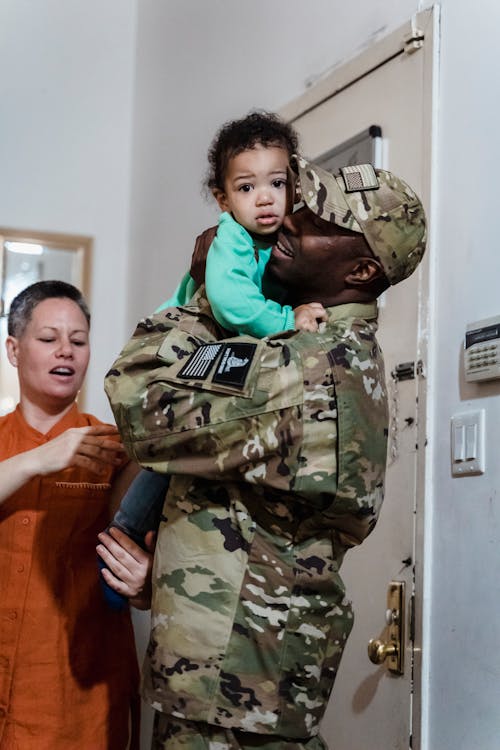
<point>390,85</point>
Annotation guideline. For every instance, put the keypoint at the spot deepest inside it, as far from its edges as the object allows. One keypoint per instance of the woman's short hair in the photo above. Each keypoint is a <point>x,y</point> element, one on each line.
<point>22,306</point>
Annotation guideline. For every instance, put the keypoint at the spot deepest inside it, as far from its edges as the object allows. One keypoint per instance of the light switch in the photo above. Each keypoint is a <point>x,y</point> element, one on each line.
<point>458,441</point>
<point>470,442</point>
<point>467,443</point>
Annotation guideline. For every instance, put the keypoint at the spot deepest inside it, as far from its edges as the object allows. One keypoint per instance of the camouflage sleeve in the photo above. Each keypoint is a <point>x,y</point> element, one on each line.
<point>260,411</point>
<point>186,403</point>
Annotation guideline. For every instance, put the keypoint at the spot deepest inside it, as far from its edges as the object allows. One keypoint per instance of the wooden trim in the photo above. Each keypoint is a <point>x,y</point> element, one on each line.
<point>80,244</point>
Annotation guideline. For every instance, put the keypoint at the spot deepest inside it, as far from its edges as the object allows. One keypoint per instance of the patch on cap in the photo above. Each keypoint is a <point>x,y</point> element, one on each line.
<point>359,177</point>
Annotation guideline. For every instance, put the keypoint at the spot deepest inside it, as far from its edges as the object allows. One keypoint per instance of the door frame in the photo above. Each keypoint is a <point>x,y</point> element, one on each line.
<point>420,35</point>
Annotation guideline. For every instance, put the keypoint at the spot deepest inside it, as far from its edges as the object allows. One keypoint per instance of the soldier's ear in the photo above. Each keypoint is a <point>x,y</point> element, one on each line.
<point>221,198</point>
<point>364,271</point>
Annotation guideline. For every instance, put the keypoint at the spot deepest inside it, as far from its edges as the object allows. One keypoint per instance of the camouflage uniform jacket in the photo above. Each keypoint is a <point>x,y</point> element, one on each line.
<point>278,449</point>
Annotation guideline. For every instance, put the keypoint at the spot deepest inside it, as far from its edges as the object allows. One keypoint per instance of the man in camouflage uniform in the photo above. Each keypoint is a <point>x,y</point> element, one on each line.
<point>277,450</point>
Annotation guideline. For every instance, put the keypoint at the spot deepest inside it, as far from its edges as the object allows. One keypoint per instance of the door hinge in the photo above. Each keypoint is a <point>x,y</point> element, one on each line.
<point>413,41</point>
<point>407,370</point>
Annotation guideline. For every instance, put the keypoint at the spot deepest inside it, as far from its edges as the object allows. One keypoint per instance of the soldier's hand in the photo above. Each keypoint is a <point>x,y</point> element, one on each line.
<point>129,567</point>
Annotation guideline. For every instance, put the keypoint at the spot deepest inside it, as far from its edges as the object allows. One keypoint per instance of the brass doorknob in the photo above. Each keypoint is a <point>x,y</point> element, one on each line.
<point>378,651</point>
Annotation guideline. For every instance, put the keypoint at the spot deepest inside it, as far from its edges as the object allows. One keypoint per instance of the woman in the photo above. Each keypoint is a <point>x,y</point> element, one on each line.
<point>68,668</point>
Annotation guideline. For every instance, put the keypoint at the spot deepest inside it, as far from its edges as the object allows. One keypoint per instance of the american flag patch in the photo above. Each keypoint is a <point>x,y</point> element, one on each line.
<point>200,362</point>
<point>359,177</point>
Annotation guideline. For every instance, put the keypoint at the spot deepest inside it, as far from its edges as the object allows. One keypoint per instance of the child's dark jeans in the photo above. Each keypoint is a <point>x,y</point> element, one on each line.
<point>139,512</point>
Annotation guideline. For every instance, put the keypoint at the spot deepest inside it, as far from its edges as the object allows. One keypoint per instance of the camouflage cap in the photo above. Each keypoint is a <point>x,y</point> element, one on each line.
<point>374,202</point>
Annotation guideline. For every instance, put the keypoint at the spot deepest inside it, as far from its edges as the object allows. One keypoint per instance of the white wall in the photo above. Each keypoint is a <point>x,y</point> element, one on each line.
<point>66,84</point>
<point>73,159</point>
<point>464,586</point>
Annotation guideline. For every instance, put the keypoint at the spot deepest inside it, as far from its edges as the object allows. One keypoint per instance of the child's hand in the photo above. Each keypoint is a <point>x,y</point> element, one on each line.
<point>307,316</point>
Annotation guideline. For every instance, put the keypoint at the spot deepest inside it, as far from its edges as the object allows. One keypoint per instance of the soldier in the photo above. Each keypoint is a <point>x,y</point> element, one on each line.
<point>278,468</point>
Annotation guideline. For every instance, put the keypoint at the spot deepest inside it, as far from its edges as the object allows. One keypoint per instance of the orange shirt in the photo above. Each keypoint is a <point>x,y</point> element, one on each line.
<point>68,667</point>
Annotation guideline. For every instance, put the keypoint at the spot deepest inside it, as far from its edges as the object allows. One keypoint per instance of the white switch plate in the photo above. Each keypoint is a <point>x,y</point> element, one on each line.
<point>467,443</point>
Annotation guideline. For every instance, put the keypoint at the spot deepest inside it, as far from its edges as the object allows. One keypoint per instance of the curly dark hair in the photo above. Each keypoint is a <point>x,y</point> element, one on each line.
<point>257,128</point>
